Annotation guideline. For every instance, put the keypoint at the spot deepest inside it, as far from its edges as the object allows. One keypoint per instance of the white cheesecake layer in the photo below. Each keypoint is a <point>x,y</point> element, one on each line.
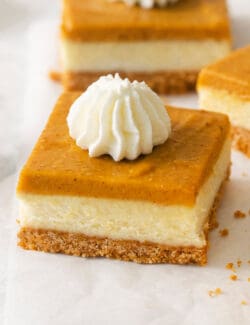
<point>173,55</point>
<point>175,225</point>
<point>223,102</point>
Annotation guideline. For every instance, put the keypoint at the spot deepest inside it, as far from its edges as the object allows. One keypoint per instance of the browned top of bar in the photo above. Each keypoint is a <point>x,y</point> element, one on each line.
<point>172,174</point>
<point>231,74</point>
<point>101,20</point>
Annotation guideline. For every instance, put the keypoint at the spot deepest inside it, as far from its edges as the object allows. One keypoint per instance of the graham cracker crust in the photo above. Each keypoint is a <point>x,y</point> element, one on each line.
<point>127,250</point>
<point>162,82</point>
<point>241,140</point>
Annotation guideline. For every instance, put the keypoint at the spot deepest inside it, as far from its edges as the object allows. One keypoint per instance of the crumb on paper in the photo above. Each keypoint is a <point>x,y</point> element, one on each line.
<point>243,302</point>
<point>55,75</point>
<point>239,214</point>
<point>248,279</point>
<point>224,232</point>
<point>244,174</point>
<point>216,292</point>
<point>239,262</point>
<point>230,266</point>
<point>233,277</point>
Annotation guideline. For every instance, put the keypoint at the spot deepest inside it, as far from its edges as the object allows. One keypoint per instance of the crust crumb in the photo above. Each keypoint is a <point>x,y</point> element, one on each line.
<point>224,232</point>
<point>216,292</point>
<point>55,76</point>
<point>239,262</point>
<point>230,266</point>
<point>239,214</point>
<point>233,277</point>
<point>241,140</point>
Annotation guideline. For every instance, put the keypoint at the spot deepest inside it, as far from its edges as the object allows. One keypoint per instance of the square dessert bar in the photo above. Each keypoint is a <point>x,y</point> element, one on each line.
<point>165,47</point>
<point>155,209</point>
<point>225,87</point>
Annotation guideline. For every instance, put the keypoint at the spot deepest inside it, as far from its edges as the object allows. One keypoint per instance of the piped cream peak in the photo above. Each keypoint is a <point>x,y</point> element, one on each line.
<point>117,117</point>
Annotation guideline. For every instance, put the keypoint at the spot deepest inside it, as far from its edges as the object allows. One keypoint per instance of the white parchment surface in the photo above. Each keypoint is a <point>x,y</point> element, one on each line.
<point>45,289</point>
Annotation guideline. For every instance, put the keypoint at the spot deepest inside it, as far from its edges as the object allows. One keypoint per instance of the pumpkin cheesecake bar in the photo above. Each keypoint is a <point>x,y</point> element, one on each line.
<point>165,47</point>
<point>225,87</point>
<point>157,208</point>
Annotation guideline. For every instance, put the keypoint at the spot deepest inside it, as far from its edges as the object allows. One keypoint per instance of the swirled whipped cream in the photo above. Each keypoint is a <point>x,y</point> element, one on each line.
<point>147,3</point>
<point>117,117</point>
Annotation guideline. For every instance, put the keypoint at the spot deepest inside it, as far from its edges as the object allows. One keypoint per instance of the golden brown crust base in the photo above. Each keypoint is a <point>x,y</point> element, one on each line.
<point>127,250</point>
<point>162,82</point>
<point>241,140</point>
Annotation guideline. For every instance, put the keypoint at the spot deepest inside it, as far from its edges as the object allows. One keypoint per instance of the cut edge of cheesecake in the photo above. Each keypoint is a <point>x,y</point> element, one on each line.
<point>173,225</point>
<point>36,234</point>
<point>232,105</point>
<point>79,244</point>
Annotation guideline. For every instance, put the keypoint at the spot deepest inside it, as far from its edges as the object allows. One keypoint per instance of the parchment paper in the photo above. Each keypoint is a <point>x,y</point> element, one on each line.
<point>57,289</point>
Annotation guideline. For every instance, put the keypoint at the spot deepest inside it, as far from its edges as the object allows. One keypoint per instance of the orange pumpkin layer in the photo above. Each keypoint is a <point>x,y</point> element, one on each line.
<point>100,20</point>
<point>172,174</point>
<point>231,74</point>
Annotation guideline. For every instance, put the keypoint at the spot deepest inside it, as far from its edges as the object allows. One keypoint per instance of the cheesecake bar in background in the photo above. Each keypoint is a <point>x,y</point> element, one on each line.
<point>225,87</point>
<point>116,174</point>
<point>165,47</point>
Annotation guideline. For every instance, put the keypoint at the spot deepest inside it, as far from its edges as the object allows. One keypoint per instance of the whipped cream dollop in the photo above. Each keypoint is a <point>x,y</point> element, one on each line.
<point>147,3</point>
<point>117,117</point>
